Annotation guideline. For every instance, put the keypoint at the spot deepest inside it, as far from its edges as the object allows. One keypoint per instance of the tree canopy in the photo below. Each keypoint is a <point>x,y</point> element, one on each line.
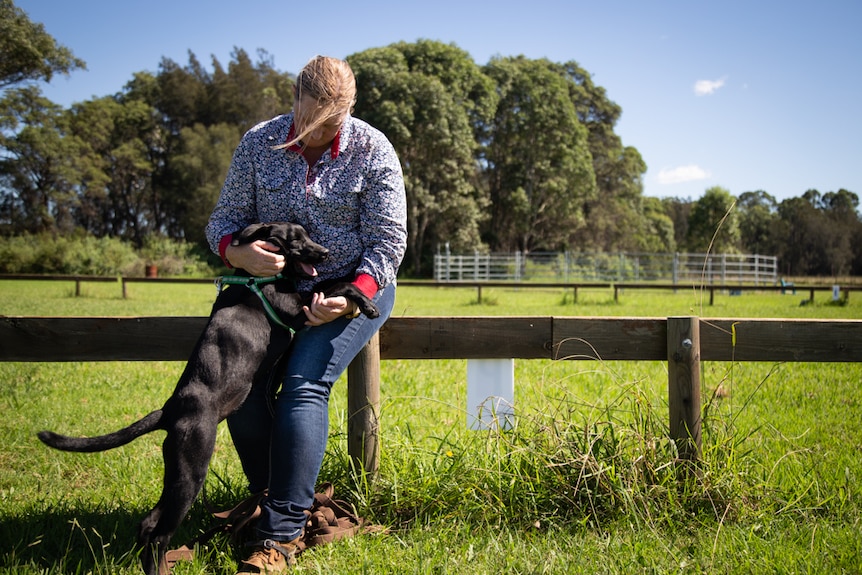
<point>516,154</point>
<point>27,51</point>
<point>430,99</point>
<point>713,224</point>
<point>539,167</point>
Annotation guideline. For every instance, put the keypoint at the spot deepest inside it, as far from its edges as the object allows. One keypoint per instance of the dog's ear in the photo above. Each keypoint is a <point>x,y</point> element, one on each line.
<point>252,233</point>
<point>284,236</point>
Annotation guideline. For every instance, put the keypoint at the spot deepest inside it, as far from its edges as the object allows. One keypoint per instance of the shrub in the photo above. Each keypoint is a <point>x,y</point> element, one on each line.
<point>173,257</point>
<point>83,254</point>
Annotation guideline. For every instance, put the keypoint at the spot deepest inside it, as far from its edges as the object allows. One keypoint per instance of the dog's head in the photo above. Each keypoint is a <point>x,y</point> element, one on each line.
<point>293,243</point>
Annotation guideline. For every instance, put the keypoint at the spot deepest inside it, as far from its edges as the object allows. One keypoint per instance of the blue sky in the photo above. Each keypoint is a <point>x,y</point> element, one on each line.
<point>747,95</point>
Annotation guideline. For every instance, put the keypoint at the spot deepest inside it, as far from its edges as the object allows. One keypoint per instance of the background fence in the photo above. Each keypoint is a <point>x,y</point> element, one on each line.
<point>839,291</point>
<point>623,266</point>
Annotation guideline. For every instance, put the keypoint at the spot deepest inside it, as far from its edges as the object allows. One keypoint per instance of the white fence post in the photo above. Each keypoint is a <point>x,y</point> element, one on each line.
<point>490,393</point>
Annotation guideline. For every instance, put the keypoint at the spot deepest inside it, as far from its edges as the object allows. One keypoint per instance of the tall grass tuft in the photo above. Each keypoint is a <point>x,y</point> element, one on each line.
<point>562,463</point>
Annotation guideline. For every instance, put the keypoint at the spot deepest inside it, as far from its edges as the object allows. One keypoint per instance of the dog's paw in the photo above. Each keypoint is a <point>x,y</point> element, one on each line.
<point>351,292</point>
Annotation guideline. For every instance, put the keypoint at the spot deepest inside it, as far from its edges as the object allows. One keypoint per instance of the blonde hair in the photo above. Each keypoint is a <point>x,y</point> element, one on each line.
<point>330,83</point>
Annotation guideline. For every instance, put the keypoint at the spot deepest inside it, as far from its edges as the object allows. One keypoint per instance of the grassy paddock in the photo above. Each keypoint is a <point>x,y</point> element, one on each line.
<point>585,483</point>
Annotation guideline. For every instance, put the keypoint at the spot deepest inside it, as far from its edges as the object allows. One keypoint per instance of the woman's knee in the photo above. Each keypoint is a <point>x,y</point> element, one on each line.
<point>302,389</point>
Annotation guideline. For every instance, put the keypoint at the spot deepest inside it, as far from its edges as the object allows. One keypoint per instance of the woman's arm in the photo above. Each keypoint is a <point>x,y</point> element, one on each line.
<point>383,217</point>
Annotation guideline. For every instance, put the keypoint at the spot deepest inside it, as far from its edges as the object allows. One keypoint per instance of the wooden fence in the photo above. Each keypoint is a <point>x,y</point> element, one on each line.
<point>681,341</point>
<point>617,287</point>
<point>620,287</point>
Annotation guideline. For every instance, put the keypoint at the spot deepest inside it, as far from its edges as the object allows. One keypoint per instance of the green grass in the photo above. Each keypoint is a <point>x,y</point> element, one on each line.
<point>585,483</point>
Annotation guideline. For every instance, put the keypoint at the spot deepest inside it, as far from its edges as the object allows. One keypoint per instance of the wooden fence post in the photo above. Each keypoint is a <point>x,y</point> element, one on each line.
<point>363,409</point>
<point>683,373</point>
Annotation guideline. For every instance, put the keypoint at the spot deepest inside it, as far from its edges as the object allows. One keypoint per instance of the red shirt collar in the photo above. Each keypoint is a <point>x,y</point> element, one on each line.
<point>333,150</point>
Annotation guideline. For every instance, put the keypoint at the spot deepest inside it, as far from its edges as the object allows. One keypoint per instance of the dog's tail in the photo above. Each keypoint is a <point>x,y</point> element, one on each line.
<point>120,437</point>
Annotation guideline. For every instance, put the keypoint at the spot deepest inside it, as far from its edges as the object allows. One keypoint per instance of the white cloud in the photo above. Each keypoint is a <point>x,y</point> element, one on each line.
<point>682,174</point>
<point>707,87</point>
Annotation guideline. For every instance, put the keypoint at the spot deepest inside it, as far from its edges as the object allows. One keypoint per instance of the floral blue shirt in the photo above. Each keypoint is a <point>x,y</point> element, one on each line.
<point>351,201</point>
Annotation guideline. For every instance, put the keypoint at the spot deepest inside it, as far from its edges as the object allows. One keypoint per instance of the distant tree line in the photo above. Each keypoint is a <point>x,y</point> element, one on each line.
<point>518,154</point>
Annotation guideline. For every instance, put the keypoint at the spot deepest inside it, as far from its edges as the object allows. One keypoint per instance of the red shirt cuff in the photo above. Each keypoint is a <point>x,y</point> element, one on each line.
<point>222,247</point>
<point>366,285</point>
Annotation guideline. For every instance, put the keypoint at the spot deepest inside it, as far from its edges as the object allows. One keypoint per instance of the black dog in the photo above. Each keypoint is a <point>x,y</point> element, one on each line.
<point>239,345</point>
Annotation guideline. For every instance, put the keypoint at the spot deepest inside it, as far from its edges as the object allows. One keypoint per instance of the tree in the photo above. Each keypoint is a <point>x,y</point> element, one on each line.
<point>758,222</point>
<point>203,158</point>
<point>842,206</point>
<point>116,138</point>
<point>429,98</point>
<point>36,164</point>
<point>616,217</point>
<point>802,229</point>
<point>180,94</point>
<point>820,230</point>
<point>842,210</point>
<point>27,52</point>
<point>657,233</point>
<point>193,107</point>
<point>713,225</point>
<point>539,168</point>
<point>247,93</point>
<point>678,210</point>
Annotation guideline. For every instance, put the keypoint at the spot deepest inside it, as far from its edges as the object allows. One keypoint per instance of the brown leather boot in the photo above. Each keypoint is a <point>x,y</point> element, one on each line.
<point>270,557</point>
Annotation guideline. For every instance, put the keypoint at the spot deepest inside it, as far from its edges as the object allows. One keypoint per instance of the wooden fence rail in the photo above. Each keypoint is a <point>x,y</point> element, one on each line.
<point>60,277</point>
<point>618,287</point>
<point>681,341</point>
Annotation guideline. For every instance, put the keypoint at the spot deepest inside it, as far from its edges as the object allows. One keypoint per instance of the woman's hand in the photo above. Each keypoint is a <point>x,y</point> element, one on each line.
<point>325,309</point>
<point>259,258</point>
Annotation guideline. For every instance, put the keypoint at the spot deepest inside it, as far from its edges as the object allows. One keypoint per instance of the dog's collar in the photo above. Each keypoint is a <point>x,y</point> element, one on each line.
<point>254,283</point>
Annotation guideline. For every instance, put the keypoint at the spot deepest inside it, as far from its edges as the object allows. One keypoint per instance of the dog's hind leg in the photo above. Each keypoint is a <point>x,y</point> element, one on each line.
<point>187,450</point>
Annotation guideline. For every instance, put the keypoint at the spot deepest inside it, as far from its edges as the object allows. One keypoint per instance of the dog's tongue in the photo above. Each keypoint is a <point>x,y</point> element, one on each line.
<point>309,269</point>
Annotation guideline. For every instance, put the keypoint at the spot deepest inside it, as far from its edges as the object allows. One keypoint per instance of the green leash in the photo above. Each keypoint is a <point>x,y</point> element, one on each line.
<point>254,283</point>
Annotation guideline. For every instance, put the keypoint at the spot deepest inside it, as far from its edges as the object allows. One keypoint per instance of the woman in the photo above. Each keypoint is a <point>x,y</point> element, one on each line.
<point>341,179</point>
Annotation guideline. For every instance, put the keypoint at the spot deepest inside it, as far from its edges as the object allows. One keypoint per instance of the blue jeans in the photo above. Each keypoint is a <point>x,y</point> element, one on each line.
<point>281,442</point>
